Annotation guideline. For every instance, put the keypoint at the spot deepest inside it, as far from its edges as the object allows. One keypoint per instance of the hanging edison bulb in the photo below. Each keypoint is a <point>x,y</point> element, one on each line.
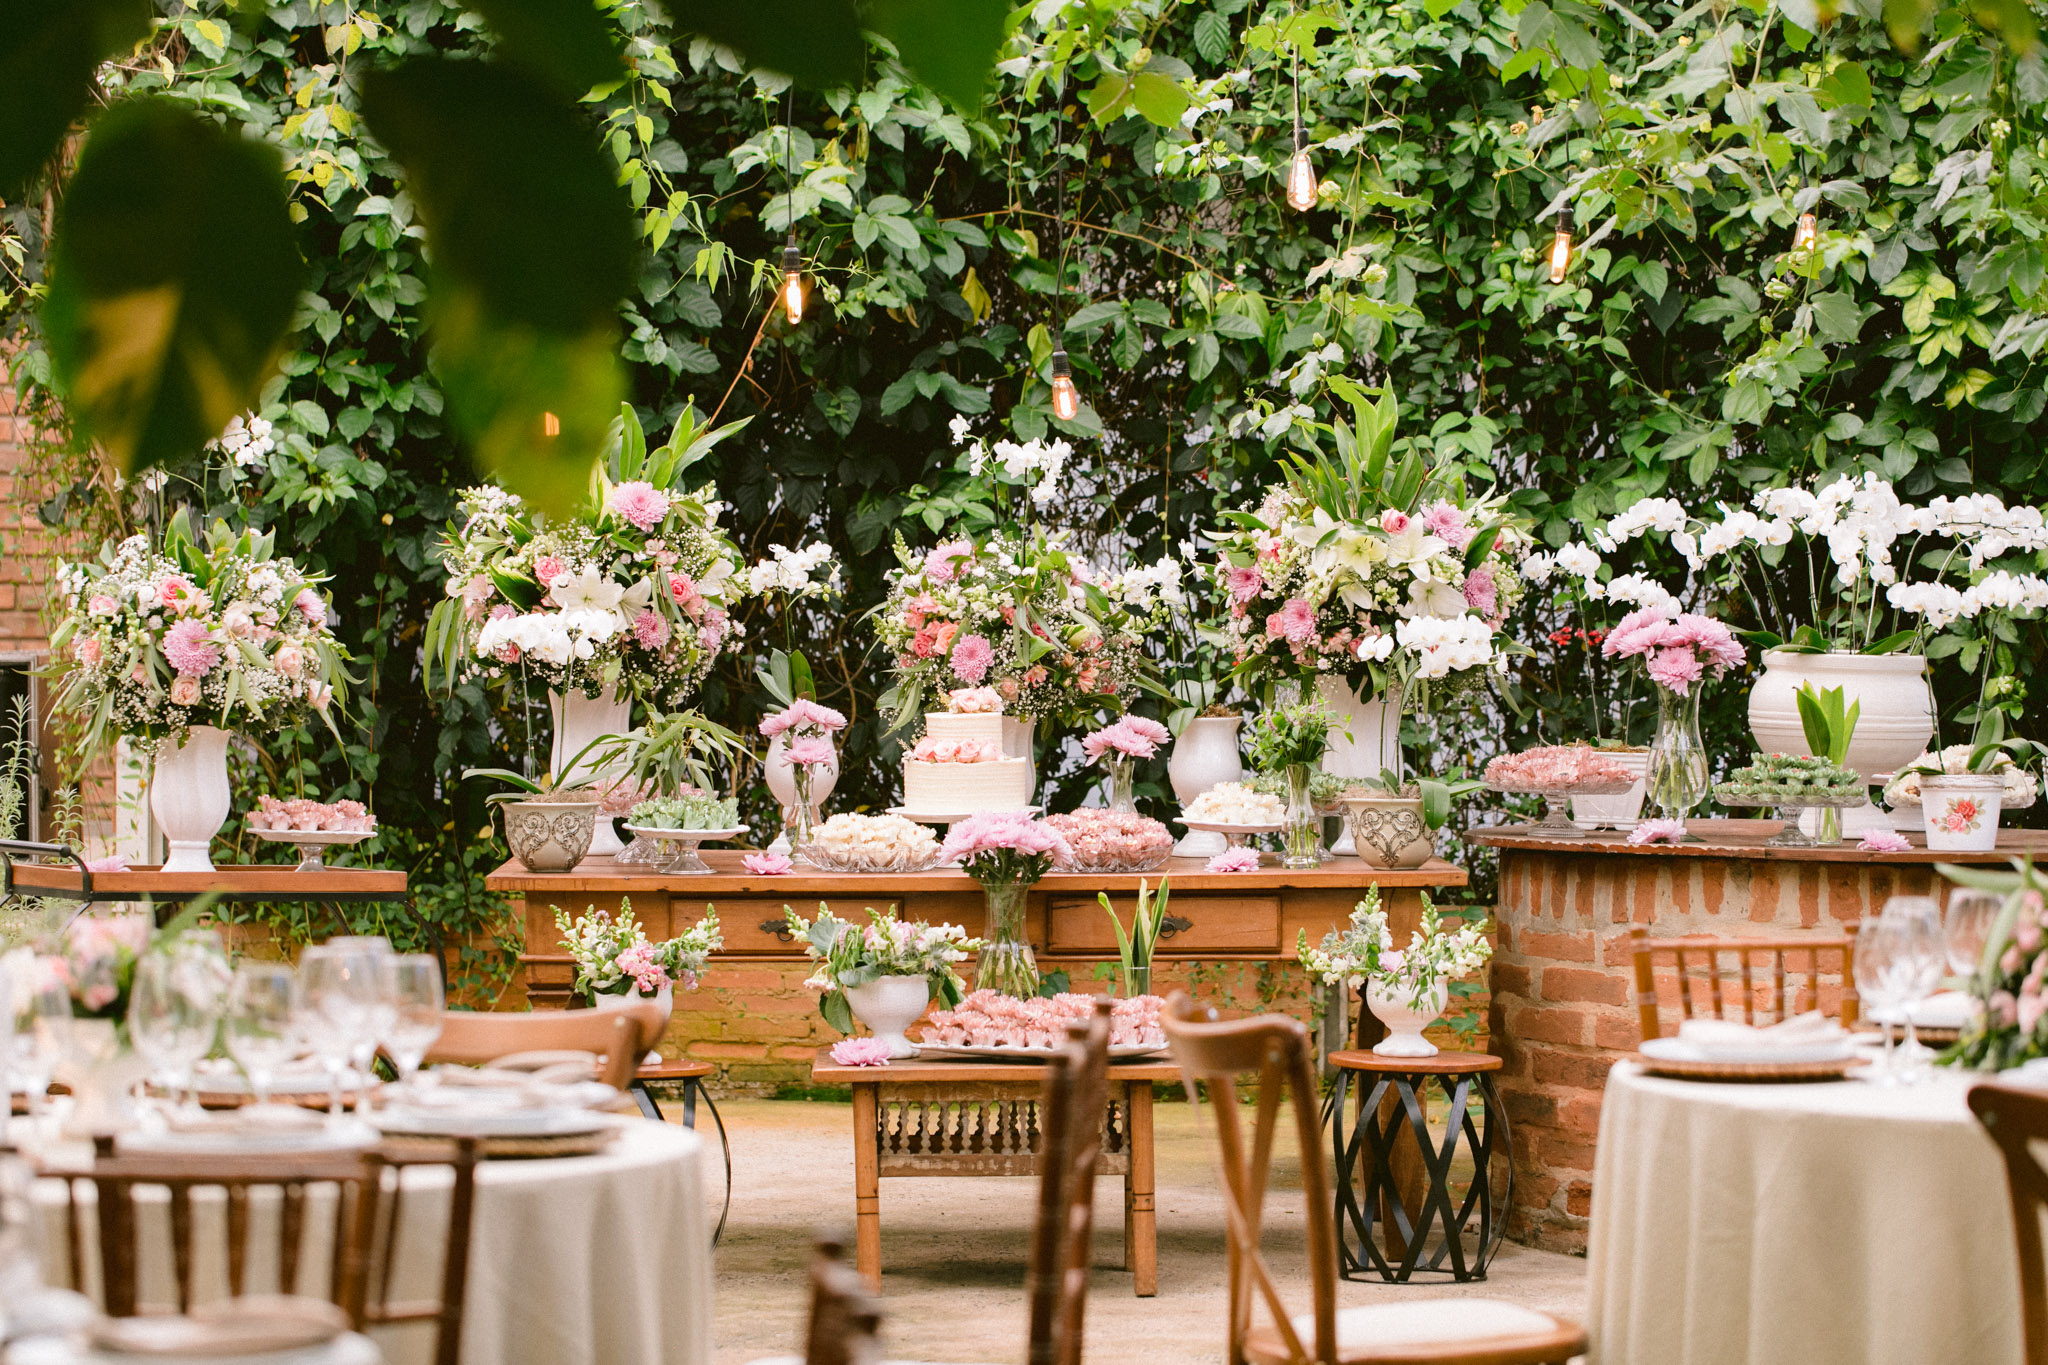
<point>1561,250</point>
<point>1807,233</point>
<point>793,283</point>
<point>1301,176</point>
<point>1066,401</point>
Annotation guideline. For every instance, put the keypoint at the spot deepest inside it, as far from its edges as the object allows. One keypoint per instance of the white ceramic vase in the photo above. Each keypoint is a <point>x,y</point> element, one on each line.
<point>888,1006</point>
<point>665,998</point>
<point>1405,1017</point>
<point>1203,756</point>
<point>578,721</point>
<point>189,795</point>
<point>1365,741</point>
<point>1961,810</point>
<point>781,778</point>
<point>1615,812</point>
<point>1892,729</point>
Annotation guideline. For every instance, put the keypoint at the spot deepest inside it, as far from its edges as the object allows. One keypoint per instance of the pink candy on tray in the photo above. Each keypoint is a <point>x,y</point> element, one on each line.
<point>299,813</point>
<point>991,1019</point>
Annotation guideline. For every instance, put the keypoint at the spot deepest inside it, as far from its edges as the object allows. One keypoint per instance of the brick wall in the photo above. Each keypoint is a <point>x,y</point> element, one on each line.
<point>26,549</point>
<point>1563,1007</point>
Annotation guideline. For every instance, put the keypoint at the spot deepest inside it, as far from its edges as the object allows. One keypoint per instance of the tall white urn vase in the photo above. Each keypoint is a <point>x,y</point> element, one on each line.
<point>1204,756</point>
<point>578,721</point>
<point>1893,728</point>
<point>189,795</point>
<point>781,778</point>
<point>1364,742</point>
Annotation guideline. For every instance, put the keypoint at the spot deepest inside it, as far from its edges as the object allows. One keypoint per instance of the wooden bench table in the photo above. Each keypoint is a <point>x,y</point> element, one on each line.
<point>960,1118</point>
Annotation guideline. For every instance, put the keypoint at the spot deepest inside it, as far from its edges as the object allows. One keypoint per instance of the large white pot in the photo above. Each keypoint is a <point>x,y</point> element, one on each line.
<point>781,777</point>
<point>665,998</point>
<point>888,1006</point>
<point>1365,741</point>
<point>1893,728</point>
<point>578,721</point>
<point>1961,810</point>
<point>1405,1017</point>
<point>1615,812</point>
<point>189,795</point>
<point>1204,756</point>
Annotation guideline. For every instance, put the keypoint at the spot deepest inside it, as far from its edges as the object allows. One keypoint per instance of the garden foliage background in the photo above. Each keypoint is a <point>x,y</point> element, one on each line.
<point>1686,353</point>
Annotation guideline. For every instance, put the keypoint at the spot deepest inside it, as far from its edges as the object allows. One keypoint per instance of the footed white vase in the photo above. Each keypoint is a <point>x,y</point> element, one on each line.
<point>189,795</point>
<point>101,1074</point>
<point>1405,1017</point>
<point>665,998</point>
<point>1204,756</point>
<point>1365,741</point>
<point>780,774</point>
<point>578,721</point>
<point>1894,726</point>
<point>888,1006</point>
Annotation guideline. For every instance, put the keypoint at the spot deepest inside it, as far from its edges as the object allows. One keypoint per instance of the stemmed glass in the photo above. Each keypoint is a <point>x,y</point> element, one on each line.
<point>412,986</point>
<point>175,1007</point>
<point>1924,914</point>
<point>336,1009</point>
<point>1898,964</point>
<point>261,1007</point>
<point>1971,916</point>
<point>40,1034</point>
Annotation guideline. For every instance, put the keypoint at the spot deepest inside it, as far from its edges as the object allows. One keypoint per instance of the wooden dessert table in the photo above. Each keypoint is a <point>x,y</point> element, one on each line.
<point>71,879</point>
<point>1212,916</point>
<point>1563,994</point>
<point>964,1118</point>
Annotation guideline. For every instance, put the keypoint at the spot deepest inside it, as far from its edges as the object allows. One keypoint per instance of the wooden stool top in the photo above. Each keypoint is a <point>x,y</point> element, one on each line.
<point>1443,1064</point>
<point>681,1069</point>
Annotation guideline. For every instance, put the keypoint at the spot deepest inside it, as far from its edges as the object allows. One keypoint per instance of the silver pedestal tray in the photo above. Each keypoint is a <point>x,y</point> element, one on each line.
<point>684,860</point>
<point>1557,822</point>
<point>1792,805</point>
<point>311,843</point>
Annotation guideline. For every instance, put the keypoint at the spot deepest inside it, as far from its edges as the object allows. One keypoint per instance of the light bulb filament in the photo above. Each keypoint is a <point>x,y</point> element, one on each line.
<point>1066,401</point>
<point>793,296</point>
<point>1807,233</point>
<point>1301,181</point>
<point>1560,254</point>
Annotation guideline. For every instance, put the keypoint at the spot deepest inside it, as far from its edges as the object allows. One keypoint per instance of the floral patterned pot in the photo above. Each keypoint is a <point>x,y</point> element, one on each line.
<point>549,836</point>
<point>1388,832</point>
<point>1961,810</point>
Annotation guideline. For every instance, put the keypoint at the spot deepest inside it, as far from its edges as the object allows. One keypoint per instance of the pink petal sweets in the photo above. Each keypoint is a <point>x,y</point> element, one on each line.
<point>1657,832</point>
<point>987,1019</point>
<point>1557,768</point>
<point>765,864</point>
<point>1884,841</point>
<point>861,1052</point>
<point>1111,841</point>
<point>1235,860</point>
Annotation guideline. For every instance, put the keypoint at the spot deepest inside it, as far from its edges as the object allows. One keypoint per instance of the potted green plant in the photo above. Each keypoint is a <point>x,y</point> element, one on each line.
<point>1134,948</point>
<point>1290,740</point>
<point>1394,823</point>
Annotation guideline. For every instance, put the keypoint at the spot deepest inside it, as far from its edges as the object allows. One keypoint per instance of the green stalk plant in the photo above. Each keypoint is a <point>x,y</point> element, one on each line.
<point>1134,948</point>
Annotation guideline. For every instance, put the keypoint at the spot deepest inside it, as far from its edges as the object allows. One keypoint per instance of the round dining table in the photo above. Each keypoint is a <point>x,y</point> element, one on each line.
<point>1835,1223</point>
<point>603,1259</point>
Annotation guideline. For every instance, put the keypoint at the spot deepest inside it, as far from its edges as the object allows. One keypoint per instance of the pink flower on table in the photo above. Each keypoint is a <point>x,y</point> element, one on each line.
<point>1677,668</point>
<point>1393,522</point>
<point>1294,622</point>
<point>1884,841</point>
<point>1235,860</point>
<point>189,650</point>
<point>810,751</point>
<point>765,864</point>
<point>650,629</point>
<point>861,1052</point>
<point>1446,521</point>
<point>942,563</point>
<point>639,502</point>
<point>87,651</point>
<point>1245,583</point>
<point>1482,594</point>
<point>972,655</point>
<point>547,569</point>
<point>1657,832</point>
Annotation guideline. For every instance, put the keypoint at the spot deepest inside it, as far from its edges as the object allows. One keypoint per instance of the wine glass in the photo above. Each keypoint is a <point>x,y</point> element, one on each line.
<point>1877,943</point>
<point>261,1006</point>
<point>1920,959</point>
<point>175,1006</point>
<point>41,1034</point>
<point>412,985</point>
<point>1924,909</point>
<point>1971,916</point>
<point>334,1016</point>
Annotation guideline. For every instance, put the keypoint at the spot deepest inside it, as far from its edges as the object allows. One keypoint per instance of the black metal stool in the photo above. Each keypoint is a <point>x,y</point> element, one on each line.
<point>1419,1232</point>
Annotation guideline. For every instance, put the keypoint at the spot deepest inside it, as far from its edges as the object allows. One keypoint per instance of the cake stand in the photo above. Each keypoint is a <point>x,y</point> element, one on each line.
<point>939,818</point>
<point>312,842</point>
<point>685,860</point>
<point>1234,835</point>
<point>1791,804</point>
<point>1556,822</point>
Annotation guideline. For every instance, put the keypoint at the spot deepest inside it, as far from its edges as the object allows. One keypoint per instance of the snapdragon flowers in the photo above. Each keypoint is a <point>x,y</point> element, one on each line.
<point>1364,951</point>
<point>614,956</point>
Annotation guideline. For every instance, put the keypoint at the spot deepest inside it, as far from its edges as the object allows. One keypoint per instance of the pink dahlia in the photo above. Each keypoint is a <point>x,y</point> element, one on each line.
<point>861,1052</point>
<point>639,502</point>
<point>1482,593</point>
<point>1657,832</point>
<point>1295,622</point>
<point>1885,841</point>
<point>766,864</point>
<point>650,629</point>
<point>972,655</point>
<point>188,650</point>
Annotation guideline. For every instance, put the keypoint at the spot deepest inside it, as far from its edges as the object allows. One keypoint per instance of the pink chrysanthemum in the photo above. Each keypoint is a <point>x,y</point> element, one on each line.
<point>943,562</point>
<point>1482,594</point>
<point>639,502</point>
<point>810,751</point>
<point>1295,622</point>
<point>1446,522</point>
<point>188,650</point>
<point>1658,832</point>
<point>765,864</point>
<point>1677,668</point>
<point>861,1052</point>
<point>650,629</point>
<point>1884,841</point>
<point>1235,860</point>
<point>1245,583</point>
<point>972,655</point>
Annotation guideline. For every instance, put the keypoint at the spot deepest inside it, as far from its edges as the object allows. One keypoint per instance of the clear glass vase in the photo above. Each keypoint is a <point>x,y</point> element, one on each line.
<point>1123,783</point>
<point>1006,963</point>
<point>1677,776</point>
<point>1303,836</point>
<point>798,823</point>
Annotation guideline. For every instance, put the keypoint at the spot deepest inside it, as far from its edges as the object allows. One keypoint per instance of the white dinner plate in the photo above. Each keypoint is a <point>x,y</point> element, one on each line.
<point>508,1123</point>
<point>1678,1050</point>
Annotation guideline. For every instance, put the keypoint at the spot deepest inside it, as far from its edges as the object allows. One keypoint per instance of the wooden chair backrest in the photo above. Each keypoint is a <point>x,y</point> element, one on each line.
<point>2017,1118</point>
<point>1280,1053</point>
<point>621,1037</point>
<point>370,1203</point>
<point>1768,967</point>
<point>1070,1148</point>
<point>845,1315</point>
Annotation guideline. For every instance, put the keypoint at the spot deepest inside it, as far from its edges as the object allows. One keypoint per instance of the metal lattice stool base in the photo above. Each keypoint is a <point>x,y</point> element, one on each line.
<point>1387,1228</point>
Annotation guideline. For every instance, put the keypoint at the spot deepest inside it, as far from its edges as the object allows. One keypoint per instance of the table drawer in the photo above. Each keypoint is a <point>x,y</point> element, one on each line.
<point>1194,924</point>
<point>754,924</point>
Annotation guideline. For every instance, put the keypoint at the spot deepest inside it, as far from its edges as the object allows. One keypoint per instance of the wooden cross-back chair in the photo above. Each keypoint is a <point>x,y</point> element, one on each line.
<point>370,1204</point>
<point>1279,1054</point>
<point>845,1315</point>
<point>2016,1118</point>
<point>620,1037</point>
<point>1784,971</point>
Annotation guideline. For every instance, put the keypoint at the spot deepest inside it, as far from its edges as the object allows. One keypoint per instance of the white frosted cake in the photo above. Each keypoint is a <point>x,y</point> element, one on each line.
<point>959,767</point>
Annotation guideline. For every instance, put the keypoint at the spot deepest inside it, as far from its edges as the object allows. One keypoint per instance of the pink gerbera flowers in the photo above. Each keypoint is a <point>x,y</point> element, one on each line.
<point>189,651</point>
<point>972,655</point>
<point>1235,860</point>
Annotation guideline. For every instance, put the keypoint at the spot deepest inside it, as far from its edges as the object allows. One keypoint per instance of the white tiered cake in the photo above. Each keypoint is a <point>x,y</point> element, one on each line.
<point>959,767</point>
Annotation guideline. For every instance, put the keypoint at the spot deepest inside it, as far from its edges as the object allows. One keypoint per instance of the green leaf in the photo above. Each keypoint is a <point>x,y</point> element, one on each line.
<point>1212,36</point>
<point>1159,98</point>
<point>48,53</point>
<point>174,276</point>
<point>566,43</point>
<point>950,44</point>
<point>815,42</point>
<point>532,247</point>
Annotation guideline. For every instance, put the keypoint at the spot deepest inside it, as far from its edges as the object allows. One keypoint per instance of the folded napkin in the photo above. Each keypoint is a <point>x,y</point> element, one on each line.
<point>1811,1029</point>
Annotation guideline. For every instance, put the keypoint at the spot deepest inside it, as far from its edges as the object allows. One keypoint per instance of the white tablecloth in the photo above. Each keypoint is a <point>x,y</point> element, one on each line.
<point>595,1260</point>
<point>1839,1222</point>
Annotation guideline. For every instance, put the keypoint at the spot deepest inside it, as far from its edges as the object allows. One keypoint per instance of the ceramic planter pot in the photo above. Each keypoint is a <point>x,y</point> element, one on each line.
<point>549,836</point>
<point>1961,810</point>
<point>1893,728</point>
<point>578,721</point>
<point>189,796</point>
<point>888,1005</point>
<point>1405,1017</point>
<point>1204,756</point>
<point>1388,832</point>
<point>1365,741</point>
<point>1615,812</point>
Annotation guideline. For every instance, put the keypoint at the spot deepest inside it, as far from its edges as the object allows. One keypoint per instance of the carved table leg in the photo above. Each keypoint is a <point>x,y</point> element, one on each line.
<point>867,1182</point>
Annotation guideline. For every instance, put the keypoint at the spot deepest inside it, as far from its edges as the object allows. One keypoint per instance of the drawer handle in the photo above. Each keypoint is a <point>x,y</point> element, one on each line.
<point>1172,924</point>
<point>777,929</point>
